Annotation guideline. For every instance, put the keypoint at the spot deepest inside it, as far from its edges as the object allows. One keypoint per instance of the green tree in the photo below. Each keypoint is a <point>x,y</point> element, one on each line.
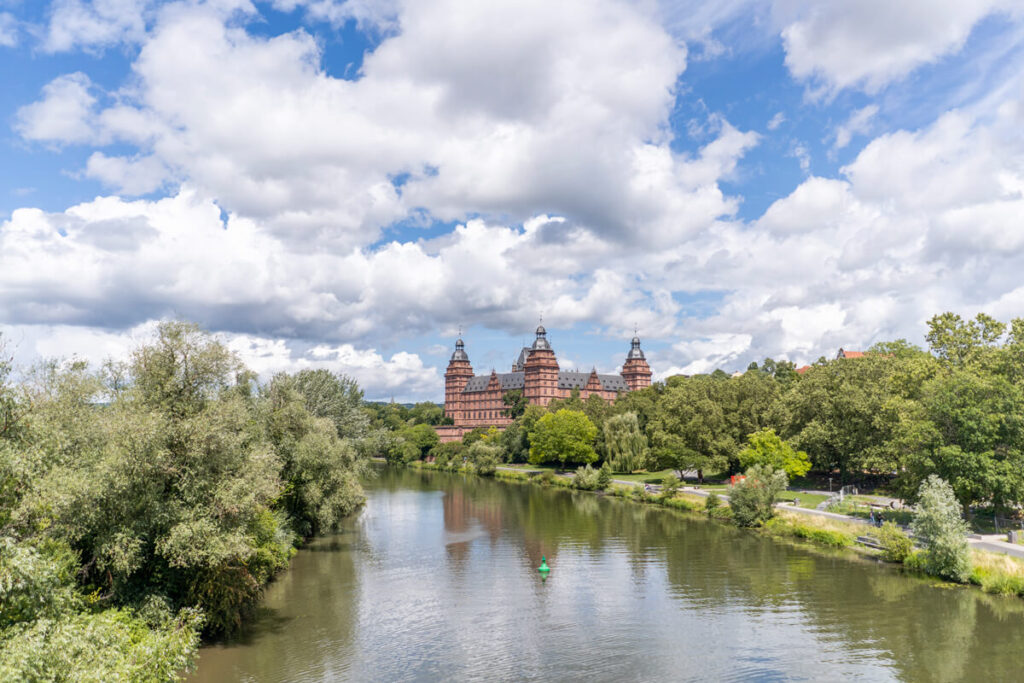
<point>335,397</point>
<point>422,436</point>
<point>764,447</point>
<point>318,468</point>
<point>564,437</point>
<point>484,457</point>
<point>753,499</point>
<point>845,414</point>
<point>955,341</point>
<point>625,444</point>
<point>940,528</point>
<point>168,489</point>
<point>515,403</point>
<point>968,429</point>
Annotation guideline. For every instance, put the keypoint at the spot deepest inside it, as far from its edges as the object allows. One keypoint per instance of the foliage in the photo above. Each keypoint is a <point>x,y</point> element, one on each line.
<point>317,467</point>
<point>939,527</point>
<point>564,437</point>
<point>753,499</point>
<point>144,501</point>
<point>484,458</point>
<point>604,477</point>
<point>766,448</point>
<point>516,403</point>
<point>712,503</point>
<point>449,455</point>
<point>625,444</point>
<point>586,478</point>
<point>897,545</point>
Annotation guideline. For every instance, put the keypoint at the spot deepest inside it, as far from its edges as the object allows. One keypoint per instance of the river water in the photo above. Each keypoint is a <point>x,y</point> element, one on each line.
<point>436,580</point>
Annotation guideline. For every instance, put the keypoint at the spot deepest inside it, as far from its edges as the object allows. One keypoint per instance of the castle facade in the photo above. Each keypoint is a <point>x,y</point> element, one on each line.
<point>476,400</point>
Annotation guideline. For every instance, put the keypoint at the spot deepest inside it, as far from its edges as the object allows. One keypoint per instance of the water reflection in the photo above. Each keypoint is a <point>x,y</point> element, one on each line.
<point>437,579</point>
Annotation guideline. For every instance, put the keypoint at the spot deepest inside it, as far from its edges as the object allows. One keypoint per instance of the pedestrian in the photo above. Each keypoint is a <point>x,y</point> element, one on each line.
<point>872,518</point>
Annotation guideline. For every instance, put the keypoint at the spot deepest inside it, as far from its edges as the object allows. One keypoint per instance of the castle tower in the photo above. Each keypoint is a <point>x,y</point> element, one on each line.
<point>635,370</point>
<point>540,372</point>
<point>456,376</point>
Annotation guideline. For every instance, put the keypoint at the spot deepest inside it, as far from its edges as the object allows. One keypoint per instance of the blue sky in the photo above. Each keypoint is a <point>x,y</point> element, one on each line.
<point>346,183</point>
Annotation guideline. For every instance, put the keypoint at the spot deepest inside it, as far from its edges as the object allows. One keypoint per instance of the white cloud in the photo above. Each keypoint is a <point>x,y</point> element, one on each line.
<point>859,123</point>
<point>131,176</point>
<point>8,30</point>
<point>65,114</point>
<point>576,125</point>
<point>776,121</point>
<point>867,44</point>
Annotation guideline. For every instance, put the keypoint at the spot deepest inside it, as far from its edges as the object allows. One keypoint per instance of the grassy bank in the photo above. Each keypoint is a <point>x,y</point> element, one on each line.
<point>992,572</point>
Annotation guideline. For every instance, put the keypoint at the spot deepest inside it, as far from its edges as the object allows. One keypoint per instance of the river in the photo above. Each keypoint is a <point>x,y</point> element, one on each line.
<point>436,580</point>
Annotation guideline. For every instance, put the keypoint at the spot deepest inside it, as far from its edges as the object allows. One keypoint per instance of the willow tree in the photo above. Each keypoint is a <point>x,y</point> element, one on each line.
<point>626,444</point>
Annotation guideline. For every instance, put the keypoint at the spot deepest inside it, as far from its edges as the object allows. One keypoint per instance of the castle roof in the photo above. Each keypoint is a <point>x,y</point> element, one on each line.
<point>567,379</point>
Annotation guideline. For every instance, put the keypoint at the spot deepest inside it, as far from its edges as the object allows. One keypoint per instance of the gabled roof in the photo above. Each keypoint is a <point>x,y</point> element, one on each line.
<point>849,354</point>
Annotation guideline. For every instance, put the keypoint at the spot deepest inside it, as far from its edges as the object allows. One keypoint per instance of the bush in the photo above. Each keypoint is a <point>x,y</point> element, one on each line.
<point>897,545</point>
<point>942,531</point>
<point>484,458</point>
<point>545,478</point>
<point>712,503</point>
<point>586,478</point>
<point>604,477</point>
<point>669,486</point>
<point>753,499</point>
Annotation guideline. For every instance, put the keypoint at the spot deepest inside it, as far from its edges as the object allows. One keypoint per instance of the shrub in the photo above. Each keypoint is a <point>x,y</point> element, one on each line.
<point>753,499</point>
<point>484,458</point>
<point>712,503</point>
<point>941,529</point>
<point>546,477</point>
<point>669,486</point>
<point>586,478</point>
<point>897,545</point>
<point>604,477</point>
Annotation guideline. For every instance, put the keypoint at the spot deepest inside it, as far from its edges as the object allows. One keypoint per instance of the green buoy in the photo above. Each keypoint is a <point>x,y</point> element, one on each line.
<point>543,568</point>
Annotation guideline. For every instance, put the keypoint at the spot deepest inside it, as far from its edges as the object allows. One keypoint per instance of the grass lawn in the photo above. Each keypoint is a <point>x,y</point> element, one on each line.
<point>807,500</point>
<point>643,477</point>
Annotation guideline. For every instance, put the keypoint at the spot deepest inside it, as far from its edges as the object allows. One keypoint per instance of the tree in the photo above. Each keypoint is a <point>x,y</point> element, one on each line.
<point>845,414</point>
<point>753,499</point>
<point>625,444</point>
<point>955,341</point>
<point>516,403</point>
<point>764,447</point>
<point>940,528</point>
<point>564,437</point>
<point>688,430</point>
<point>335,397</point>
<point>422,436</point>
<point>484,458</point>
<point>427,413</point>
<point>319,469</point>
<point>967,429</point>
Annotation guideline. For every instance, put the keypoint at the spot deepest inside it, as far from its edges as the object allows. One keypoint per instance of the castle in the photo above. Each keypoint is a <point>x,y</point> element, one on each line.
<point>476,400</point>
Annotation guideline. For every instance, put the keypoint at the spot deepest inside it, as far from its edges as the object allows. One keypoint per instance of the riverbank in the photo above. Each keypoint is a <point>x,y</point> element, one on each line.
<point>993,572</point>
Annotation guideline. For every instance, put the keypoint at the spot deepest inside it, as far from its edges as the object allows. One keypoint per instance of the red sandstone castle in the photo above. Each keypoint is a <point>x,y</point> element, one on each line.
<point>476,400</point>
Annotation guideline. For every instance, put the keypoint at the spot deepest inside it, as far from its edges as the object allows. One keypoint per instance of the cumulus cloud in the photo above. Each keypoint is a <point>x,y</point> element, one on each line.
<point>868,44</point>
<point>576,125</point>
<point>921,222</point>
<point>65,114</point>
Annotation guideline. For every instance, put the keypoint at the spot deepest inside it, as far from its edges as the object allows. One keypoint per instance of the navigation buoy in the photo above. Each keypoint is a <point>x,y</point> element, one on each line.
<point>543,568</point>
